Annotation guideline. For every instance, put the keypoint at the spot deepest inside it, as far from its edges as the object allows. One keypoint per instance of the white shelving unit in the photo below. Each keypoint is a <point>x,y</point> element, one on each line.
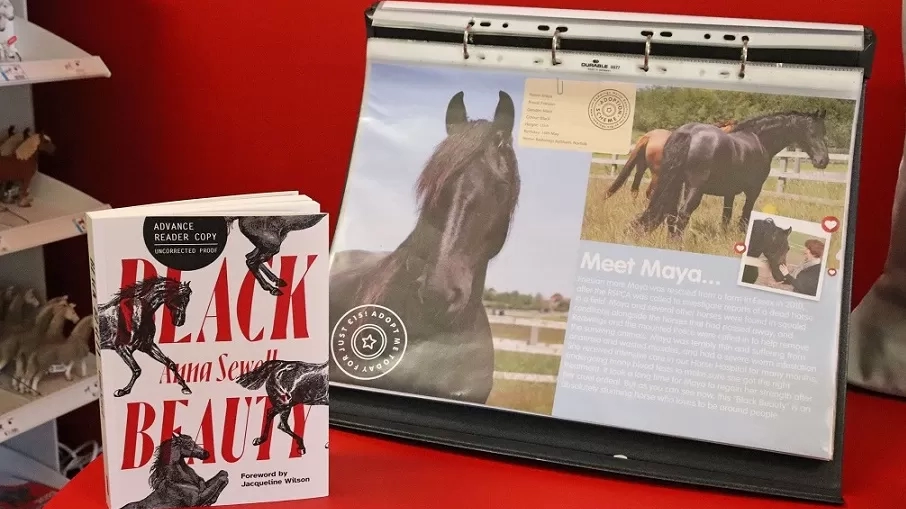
<point>28,421</point>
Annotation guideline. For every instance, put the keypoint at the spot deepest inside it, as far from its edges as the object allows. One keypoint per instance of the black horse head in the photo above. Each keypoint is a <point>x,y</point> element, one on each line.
<point>177,301</point>
<point>183,446</point>
<point>812,137</point>
<point>467,195</point>
<point>772,241</point>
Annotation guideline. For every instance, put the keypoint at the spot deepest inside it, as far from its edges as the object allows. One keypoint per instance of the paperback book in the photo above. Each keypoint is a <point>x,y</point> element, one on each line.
<point>211,340</point>
<point>624,251</point>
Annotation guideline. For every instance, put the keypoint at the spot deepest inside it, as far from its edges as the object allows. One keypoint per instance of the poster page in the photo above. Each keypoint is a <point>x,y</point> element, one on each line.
<point>651,257</point>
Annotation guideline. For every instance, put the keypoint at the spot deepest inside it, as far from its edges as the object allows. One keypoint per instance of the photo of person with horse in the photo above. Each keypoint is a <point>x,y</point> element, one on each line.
<point>712,157</point>
<point>784,255</point>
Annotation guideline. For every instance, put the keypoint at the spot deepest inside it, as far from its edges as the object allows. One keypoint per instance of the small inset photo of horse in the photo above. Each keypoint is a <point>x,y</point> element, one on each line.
<point>784,255</point>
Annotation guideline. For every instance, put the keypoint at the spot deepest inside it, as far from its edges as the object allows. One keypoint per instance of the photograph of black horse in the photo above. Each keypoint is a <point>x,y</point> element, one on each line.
<point>434,280</point>
<point>267,234</point>
<point>126,324</point>
<point>702,159</point>
<point>769,240</point>
<point>288,384</point>
<point>174,483</point>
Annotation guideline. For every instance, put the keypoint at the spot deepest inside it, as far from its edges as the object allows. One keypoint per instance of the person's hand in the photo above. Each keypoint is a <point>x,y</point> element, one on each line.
<point>784,270</point>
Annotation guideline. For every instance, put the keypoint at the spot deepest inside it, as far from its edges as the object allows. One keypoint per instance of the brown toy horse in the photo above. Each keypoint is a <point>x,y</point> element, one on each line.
<point>22,164</point>
<point>648,153</point>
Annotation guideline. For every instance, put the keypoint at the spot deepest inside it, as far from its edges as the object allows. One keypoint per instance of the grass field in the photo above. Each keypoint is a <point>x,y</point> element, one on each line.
<point>537,397</point>
<point>518,362</point>
<point>519,395</point>
<point>609,221</point>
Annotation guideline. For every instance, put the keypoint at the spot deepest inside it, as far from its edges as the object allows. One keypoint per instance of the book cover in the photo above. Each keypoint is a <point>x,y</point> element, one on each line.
<point>211,327</point>
<point>653,256</point>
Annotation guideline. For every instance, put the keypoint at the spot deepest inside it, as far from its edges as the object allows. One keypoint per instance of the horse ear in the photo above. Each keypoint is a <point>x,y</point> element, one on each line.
<point>505,115</point>
<point>456,112</point>
<point>789,230</point>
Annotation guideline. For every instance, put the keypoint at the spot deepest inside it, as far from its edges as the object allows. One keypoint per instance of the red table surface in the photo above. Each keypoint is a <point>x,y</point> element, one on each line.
<point>374,473</point>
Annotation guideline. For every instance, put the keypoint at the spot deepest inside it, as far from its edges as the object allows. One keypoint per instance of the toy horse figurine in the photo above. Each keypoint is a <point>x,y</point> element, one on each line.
<point>13,333</point>
<point>25,341</point>
<point>61,357</point>
<point>21,164</point>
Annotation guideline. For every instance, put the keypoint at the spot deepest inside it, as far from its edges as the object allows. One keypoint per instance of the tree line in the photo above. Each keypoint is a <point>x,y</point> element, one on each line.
<point>669,108</point>
<point>524,301</point>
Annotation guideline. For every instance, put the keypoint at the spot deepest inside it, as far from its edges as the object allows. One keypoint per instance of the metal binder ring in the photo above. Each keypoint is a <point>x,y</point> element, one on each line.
<point>555,44</point>
<point>745,56</point>
<point>644,66</point>
<point>466,37</point>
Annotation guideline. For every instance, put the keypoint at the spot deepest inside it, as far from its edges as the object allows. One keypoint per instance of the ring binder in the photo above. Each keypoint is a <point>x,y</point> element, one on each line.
<point>644,66</point>
<point>803,60</point>
<point>466,37</point>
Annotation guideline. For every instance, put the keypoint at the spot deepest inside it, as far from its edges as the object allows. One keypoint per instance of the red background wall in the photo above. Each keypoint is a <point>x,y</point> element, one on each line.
<point>216,97</point>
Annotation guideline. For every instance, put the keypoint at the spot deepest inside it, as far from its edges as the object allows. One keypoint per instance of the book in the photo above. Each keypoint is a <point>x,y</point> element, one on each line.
<point>545,241</point>
<point>211,339</point>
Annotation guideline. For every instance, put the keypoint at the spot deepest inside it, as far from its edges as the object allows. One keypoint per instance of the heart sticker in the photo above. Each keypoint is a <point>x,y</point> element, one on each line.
<point>739,247</point>
<point>831,272</point>
<point>830,224</point>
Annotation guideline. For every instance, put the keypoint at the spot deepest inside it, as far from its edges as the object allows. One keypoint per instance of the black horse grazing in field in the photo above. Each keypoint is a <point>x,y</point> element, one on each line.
<point>773,242</point>
<point>702,159</point>
<point>434,280</point>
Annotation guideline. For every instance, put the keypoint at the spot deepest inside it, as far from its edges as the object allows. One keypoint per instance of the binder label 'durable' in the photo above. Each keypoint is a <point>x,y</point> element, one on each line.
<point>588,116</point>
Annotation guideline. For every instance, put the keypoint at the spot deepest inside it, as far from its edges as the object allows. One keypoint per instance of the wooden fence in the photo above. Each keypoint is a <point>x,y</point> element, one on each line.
<point>787,166</point>
<point>532,346</point>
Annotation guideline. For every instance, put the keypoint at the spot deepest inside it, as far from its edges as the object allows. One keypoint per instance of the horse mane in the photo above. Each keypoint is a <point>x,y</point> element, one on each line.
<point>756,123</point>
<point>161,459</point>
<point>144,285</point>
<point>27,148</point>
<point>450,157</point>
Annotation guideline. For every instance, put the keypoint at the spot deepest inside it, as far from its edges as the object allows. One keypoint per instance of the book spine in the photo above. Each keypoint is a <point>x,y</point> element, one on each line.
<point>92,268</point>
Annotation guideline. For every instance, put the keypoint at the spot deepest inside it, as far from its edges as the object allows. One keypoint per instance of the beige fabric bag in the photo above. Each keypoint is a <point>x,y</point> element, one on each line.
<point>877,336</point>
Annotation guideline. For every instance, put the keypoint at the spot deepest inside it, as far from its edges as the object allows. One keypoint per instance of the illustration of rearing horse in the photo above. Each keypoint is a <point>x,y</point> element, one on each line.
<point>769,240</point>
<point>288,383</point>
<point>126,323</point>
<point>467,195</point>
<point>174,483</point>
<point>648,153</point>
<point>702,159</point>
<point>267,235</point>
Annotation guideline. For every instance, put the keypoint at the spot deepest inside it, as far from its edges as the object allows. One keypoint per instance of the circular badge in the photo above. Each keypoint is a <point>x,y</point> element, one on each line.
<point>609,109</point>
<point>185,243</point>
<point>368,342</point>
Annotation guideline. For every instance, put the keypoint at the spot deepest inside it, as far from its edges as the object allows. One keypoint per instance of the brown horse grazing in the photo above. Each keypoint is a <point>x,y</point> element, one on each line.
<point>648,152</point>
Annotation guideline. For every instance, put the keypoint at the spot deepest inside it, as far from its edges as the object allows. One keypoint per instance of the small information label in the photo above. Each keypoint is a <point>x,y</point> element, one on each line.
<point>13,72</point>
<point>587,116</point>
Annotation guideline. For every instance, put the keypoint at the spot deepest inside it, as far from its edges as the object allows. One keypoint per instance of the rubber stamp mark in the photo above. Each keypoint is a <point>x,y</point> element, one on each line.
<point>368,342</point>
<point>609,109</point>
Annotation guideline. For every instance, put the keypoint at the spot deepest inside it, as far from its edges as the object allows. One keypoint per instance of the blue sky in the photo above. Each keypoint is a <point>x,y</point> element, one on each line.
<point>401,123</point>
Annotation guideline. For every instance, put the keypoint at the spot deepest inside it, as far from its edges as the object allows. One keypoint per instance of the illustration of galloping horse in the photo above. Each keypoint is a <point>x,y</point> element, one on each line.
<point>126,323</point>
<point>288,383</point>
<point>467,195</point>
<point>648,152</point>
<point>702,159</point>
<point>174,483</point>
<point>267,235</point>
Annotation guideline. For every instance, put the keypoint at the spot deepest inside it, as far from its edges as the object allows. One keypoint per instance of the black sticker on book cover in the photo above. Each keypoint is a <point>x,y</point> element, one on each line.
<point>186,243</point>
